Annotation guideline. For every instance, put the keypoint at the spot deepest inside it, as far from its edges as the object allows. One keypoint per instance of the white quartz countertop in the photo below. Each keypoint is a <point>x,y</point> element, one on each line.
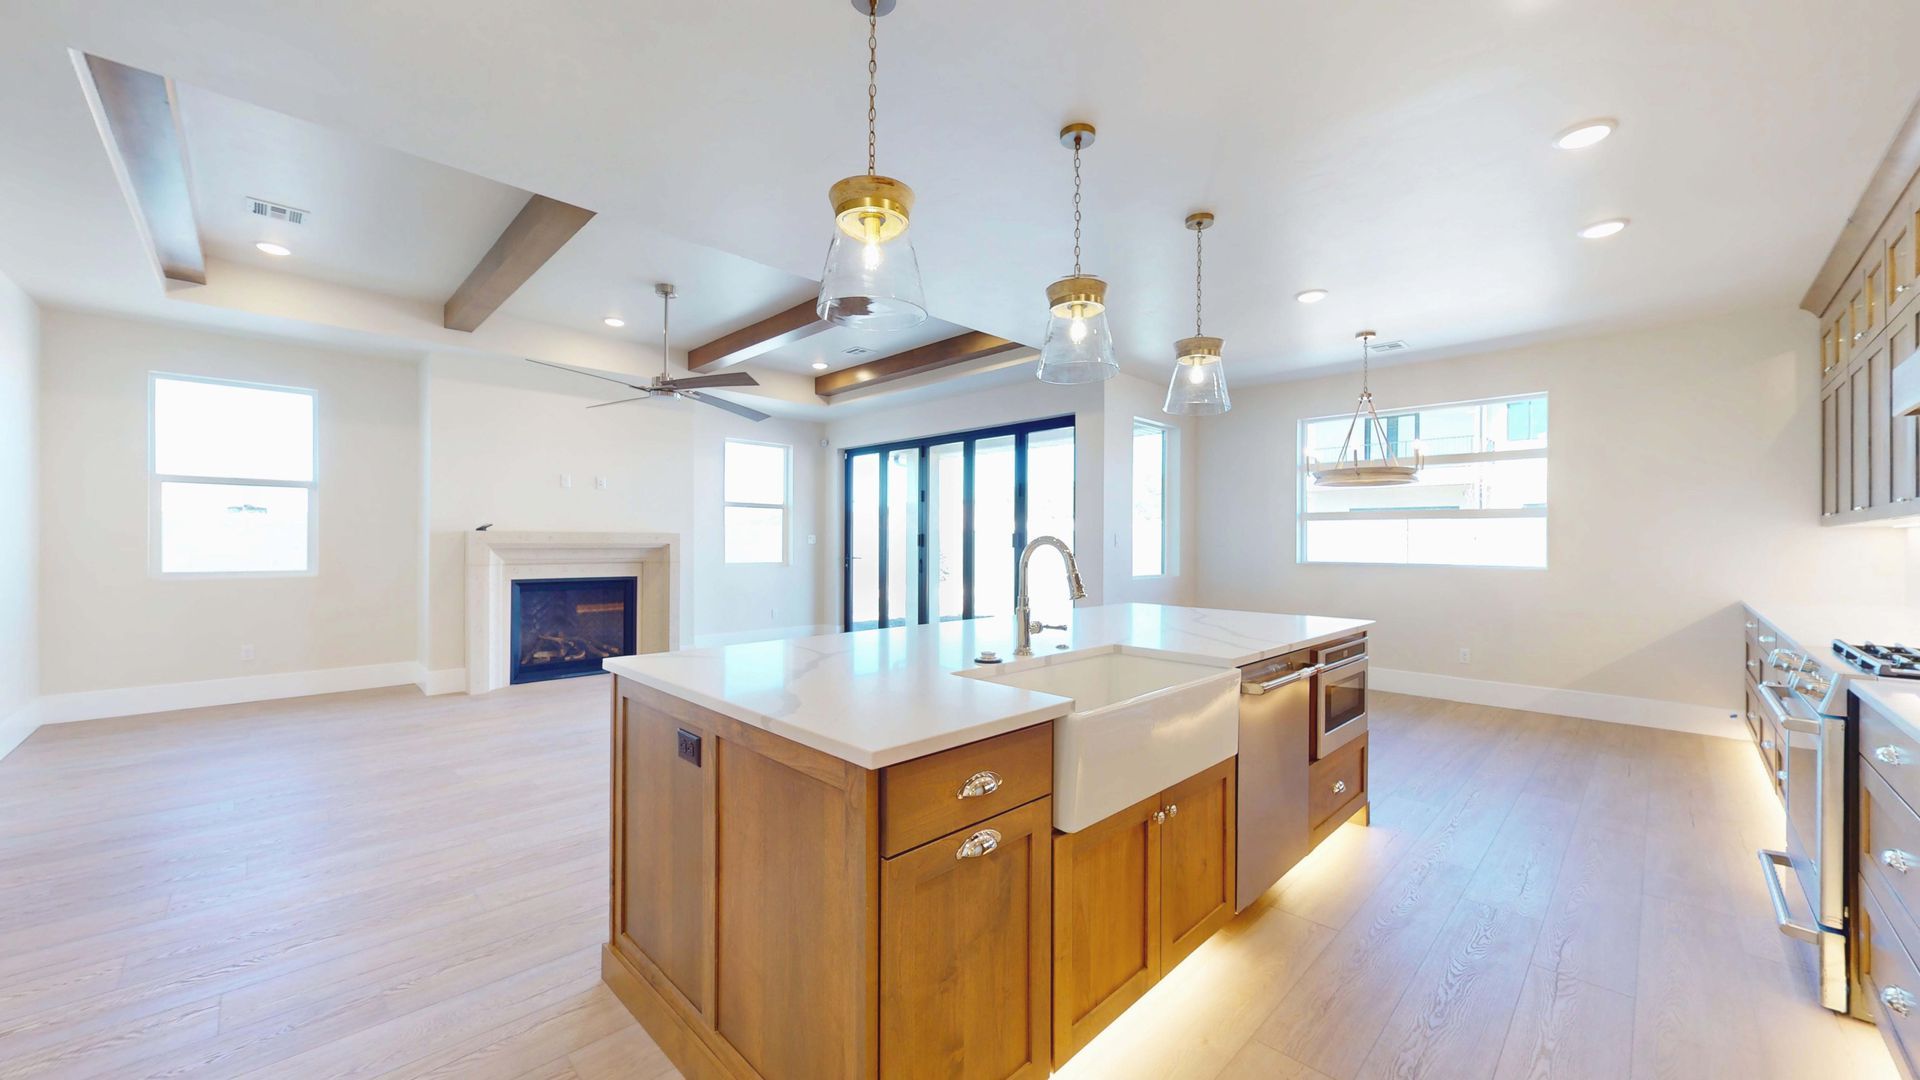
<point>1813,629</point>
<point>1897,698</point>
<point>878,697</point>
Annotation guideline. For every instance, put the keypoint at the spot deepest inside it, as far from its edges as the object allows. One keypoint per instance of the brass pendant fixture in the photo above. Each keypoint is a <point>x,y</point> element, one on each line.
<point>1077,348</point>
<point>872,276</point>
<point>1199,385</point>
<point>1351,469</point>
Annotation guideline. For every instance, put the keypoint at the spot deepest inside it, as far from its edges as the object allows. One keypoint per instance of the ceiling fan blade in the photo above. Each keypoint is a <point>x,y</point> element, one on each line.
<point>582,371</point>
<point>706,382</point>
<point>735,408</point>
<point>622,401</point>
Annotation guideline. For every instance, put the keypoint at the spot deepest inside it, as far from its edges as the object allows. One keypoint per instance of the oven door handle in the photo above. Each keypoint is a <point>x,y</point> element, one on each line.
<point>1255,689</point>
<point>1770,693</point>
<point>1770,862</point>
<point>1328,669</point>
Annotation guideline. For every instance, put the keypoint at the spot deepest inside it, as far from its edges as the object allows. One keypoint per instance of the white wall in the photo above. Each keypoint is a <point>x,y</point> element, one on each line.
<point>1684,478</point>
<point>19,525</point>
<point>1125,398</point>
<point>500,434</point>
<point>106,621</point>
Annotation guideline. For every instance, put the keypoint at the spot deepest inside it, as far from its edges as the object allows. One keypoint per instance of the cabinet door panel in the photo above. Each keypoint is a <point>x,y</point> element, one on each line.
<point>965,980</point>
<point>663,899</point>
<point>1906,429</point>
<point>1829,452</point>
<point>1860,385</point>
<point>1106,923</point>
<point>1196,861</point>
<point>1879,427</point>
<point>1843,445</point>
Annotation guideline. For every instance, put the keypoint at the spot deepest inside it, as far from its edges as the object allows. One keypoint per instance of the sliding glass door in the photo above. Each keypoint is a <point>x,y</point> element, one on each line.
<point>933,527</point>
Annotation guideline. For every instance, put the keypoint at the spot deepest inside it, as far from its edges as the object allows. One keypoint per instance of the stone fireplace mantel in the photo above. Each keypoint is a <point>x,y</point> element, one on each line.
<point>495,560</point>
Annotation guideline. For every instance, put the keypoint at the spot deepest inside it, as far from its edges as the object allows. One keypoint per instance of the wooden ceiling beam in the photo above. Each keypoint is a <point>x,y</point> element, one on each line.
<point>541,228</point>
<point>797,323</point>
<point>959,349</point>
<point>139,118</point>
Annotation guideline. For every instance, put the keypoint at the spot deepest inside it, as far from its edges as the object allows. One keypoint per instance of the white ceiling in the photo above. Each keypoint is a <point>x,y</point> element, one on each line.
<point>1395,154</point>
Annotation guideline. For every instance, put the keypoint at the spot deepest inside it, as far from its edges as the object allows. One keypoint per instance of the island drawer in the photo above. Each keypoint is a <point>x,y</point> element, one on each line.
<point>927,798</point>
<point>1335,781</point>
<point>1889,838</point>
<point>1888,750</point>
<point>1889,978</point>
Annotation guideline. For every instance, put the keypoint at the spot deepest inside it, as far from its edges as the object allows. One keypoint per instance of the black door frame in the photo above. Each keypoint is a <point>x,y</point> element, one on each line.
<point>968,440</point>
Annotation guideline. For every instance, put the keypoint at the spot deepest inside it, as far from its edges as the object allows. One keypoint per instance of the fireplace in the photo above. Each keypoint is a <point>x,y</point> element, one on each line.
<point>563,627</point>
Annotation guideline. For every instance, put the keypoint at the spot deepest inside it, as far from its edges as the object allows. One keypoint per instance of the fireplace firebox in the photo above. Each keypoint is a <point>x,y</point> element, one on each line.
<point>563,627</point>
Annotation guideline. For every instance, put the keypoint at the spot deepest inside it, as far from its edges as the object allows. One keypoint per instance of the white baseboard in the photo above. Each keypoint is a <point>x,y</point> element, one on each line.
<point>443,681</point>
<point>166,697</point>
<point>771,633</point>
<point>17,725</point>
<point>1613,708</point>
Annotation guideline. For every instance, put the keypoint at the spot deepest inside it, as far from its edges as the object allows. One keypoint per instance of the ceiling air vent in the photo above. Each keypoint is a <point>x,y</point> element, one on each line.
<point>276,211</point>
<point>1388,346</point>
<point>855,350</point>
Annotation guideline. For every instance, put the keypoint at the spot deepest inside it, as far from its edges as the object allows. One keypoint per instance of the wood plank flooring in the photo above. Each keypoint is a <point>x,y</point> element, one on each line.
<point>384,885</point>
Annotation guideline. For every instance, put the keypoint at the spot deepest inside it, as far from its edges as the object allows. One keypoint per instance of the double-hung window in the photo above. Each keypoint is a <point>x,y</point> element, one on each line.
<point>1481,499</point>
<point>232,477</point>
<point>1150,459</point>
<point>757,484</point>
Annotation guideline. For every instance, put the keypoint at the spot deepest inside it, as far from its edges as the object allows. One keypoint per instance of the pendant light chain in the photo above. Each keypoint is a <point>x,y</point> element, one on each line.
<point>873,68</point>
<point>1366,355</point>
<point>1198,255</point>
<point>666,335</point>
<point>1076,206</point>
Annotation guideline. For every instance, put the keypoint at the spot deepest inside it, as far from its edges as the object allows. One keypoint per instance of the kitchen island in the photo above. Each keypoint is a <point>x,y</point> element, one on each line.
<point>838,855</point>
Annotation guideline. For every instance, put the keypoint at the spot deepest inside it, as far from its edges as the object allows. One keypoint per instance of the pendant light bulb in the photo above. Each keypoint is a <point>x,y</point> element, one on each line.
<point>871,280</point>
<point>1199,383</point>
<point>1078,347</point>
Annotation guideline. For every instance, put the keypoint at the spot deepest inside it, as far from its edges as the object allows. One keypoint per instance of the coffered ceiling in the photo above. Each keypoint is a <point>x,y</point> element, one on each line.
<point>1397,155</point>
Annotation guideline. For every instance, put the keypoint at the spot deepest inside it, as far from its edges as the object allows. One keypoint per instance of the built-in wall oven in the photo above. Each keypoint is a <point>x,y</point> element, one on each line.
<point>1340,695</point>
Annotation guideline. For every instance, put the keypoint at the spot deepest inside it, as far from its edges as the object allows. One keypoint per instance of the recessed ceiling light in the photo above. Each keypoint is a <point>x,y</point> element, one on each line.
<point>268,247</point>
<point>1311,296</point>
<point>1584,134</point>
<point>819,365</point>
<point>614,321</point>
<point>1601,229</point>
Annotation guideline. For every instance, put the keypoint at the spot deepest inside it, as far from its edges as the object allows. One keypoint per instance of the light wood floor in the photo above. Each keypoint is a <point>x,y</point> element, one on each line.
<point>379,884</point>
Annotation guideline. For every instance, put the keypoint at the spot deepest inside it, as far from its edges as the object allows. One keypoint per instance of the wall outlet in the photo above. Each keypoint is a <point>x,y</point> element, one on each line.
<point>246,652</point>
<point>566,480</point>
<point>1466,655</point>
<point>809,538</point>
<point>600,483</point>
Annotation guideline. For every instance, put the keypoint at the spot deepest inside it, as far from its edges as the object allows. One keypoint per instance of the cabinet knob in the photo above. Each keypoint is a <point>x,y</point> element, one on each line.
<point>980,843</point>
<point>1895,859</point>
<point>1897,999</point>
<point>1159,817</point>
<point>1172,809</point>
<point>1766,744</point>
<point>1890,755</point>
<point>1751,625</point>
<point>980,783</point>
<point>1339,786</point>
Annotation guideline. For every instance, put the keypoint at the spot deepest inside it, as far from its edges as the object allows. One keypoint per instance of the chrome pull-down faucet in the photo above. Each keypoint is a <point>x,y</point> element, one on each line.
<point>1024,625</point>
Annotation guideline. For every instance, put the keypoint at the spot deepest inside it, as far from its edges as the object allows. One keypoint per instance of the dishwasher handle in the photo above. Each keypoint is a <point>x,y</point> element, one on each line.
<point>1255,689</point>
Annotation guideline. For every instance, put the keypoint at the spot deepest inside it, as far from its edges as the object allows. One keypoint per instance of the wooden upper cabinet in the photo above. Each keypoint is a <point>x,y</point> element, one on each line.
<point>1196,861</point>
<point>1106,922</point>
<point>1843,444</point>
<point>1860,437</point>
<point>1879,374</point>
<point>965,942</point>
<point>1857,320</point>
<point>1899,268</point>
<point>1875,302</point>
<point>1830,451</point>
<point>1905,454</point>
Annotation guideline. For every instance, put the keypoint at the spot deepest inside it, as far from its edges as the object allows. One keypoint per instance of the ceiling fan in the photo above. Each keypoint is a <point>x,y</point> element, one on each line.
<point>664,384</point>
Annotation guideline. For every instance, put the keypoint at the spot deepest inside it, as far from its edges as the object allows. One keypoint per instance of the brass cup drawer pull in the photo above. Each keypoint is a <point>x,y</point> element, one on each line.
<point>1339,786</point>
<point>980,783</point>
<point>1891,755</point>
<point>1895,859</point>
<point>981,843</point>
<point>1899,1000</point>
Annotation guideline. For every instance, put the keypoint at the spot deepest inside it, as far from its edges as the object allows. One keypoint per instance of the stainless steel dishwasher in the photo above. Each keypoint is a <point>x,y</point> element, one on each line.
<point>1276,717</point>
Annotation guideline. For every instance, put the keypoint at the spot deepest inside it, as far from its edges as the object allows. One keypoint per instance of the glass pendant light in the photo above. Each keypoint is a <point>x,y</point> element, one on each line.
<point>1351,469</point>
<point>872,277</point>
<point>1077,348</point>
<point>1199,386</point>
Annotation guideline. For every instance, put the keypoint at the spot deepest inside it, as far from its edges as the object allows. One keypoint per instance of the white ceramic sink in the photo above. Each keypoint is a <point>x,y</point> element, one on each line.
<point>1139,725</point>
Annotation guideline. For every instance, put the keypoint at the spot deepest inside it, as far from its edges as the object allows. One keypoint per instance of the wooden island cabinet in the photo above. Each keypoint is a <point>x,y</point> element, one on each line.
<point>778,912</point>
